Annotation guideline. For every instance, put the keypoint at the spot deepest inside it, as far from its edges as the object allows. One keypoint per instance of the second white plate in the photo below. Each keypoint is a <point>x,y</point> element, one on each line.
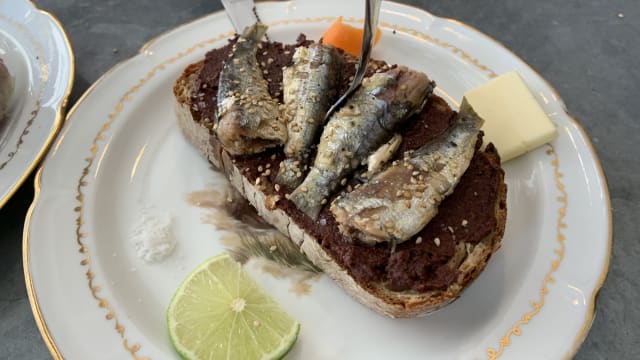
<point>39,57</point>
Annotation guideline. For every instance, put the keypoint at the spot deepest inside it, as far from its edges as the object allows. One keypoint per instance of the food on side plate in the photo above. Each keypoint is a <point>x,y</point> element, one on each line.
<point>397,278</point>
<point>220,312</point>
<point>346,37</point>
<point>517,125</point>
<point>6,88</point>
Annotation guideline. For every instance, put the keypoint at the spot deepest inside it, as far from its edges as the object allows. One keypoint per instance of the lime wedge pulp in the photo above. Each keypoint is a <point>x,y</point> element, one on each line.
<point>220,312</point>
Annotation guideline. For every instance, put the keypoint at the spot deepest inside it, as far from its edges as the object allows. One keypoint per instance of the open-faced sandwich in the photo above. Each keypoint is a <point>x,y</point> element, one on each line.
<point>394,197</point>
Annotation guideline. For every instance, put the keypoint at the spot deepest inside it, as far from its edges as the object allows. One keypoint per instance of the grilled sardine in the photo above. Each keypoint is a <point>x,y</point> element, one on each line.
<point>249,119</point>
<point>399,201</point>
<point>310,86</point>
<point>362,125</point>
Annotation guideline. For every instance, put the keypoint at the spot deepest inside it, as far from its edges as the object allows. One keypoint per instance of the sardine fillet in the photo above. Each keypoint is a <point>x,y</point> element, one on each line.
<point>310,86</point>
<point>249,119</point>
<point>399,201</point>
<point>362,125</point>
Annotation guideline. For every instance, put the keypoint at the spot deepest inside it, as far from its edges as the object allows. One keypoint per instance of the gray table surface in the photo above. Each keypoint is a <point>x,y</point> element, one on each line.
<point>588,49</point>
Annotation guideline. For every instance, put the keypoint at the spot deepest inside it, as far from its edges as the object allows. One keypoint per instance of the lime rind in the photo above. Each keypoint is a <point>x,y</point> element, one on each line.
<point>219,311</point>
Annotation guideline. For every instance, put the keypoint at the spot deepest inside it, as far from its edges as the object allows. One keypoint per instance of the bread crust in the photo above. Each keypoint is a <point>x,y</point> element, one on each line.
<point>472,258</point>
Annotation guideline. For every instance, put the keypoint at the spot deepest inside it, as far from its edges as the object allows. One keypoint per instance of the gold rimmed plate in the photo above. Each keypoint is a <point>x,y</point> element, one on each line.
<point>121,152</point>
<point>38,55</point>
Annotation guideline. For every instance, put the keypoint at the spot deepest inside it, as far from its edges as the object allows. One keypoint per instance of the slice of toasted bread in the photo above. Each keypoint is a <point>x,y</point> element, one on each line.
<point>469,259</point>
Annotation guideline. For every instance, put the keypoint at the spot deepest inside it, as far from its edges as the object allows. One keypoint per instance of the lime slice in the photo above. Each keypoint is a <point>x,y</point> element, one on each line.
<point>219,312</point>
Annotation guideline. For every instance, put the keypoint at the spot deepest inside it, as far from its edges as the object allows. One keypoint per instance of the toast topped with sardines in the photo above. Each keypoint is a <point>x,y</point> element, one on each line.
<point>394,197</point>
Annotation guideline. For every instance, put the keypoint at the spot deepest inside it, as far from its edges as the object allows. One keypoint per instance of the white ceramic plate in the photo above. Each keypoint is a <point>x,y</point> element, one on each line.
<point>38,55</point>
<point>121,149</point>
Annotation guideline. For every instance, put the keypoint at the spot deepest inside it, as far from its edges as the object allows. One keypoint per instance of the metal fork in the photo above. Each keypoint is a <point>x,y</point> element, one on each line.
<point>242,13</point>
<point>372,12</point>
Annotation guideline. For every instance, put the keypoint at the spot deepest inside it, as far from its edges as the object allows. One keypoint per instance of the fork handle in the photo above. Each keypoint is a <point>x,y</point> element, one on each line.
<point>372,12</point>
<point>240,12</point>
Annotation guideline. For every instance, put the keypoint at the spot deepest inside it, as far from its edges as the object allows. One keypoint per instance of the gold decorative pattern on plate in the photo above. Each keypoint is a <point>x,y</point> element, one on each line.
<point>44,77</point>
<point>548,278</point>
<point>415,33</point>
<point>100,137</point>
<point>57,125</point>
<point>134,348</point>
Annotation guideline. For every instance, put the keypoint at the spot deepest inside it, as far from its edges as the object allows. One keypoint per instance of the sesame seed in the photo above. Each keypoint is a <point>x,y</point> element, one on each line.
<point>324,201</point>
<point>419,240</point>
<point>273,248</point>
<point>415,173</point>
<point>260,168</point>
<point>464,222</point>
<point>299,174</point>
<point>256,323</point>
<point>450,229</point>
<point>375,217</point>
<point>267,172</point>
<point>436,241</point>
<point>277,187</point>
<point>304,189</point>
<point>343,182</point>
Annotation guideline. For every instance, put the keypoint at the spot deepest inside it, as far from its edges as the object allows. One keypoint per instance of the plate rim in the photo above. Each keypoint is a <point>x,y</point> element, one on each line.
<point>591,311</point>
<point>60,111</point>
<point>592,304</point>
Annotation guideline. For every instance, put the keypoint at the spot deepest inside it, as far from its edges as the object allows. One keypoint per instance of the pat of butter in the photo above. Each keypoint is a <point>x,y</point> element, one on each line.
<point>513,120</point>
